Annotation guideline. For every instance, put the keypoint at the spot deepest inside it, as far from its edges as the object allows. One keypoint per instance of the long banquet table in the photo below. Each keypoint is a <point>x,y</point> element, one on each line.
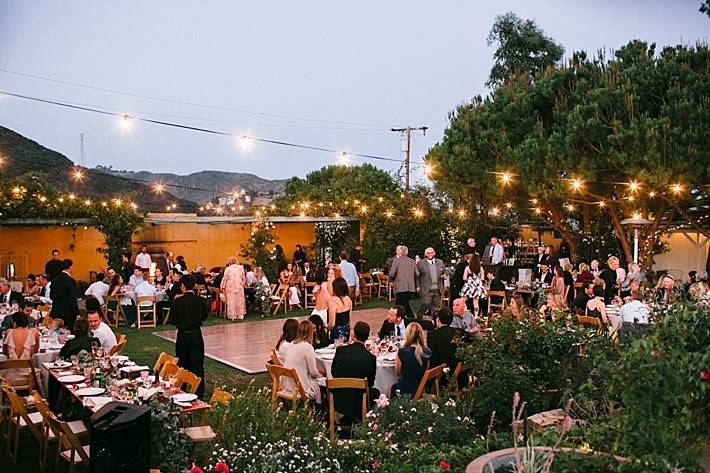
<point>385,376</point>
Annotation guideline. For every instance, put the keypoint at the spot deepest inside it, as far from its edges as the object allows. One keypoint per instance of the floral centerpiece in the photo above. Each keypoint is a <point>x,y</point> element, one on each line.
<point>262,294</point>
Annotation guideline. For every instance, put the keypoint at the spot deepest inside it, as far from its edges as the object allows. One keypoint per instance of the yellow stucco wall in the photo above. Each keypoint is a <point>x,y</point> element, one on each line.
<point>30,246</point>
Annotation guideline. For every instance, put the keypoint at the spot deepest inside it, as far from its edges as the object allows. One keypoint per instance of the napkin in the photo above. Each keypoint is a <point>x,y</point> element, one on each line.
<point>134,369</point>
<point>183,404</point>
<point>147,393</point>
<point>65,373</point>
<point>96,402</point>
<point>81,385</point>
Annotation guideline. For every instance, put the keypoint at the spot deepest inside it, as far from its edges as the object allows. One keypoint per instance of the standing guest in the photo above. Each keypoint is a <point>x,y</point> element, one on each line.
<point>486,256</point>
<point>441,343</point>
<point>143,260</point>
<point>188,313</point>
<point>339,308</point>
<point>350,275</point>
<point>167,263</point>
<point>610,278</point>
<point>7,295</point>
<point>496,255</point>
<point>393,324</point>
<point>101,331</point>
<point>127,307</point>
<point>321,294</point>
<point>584,273</point>
<point>126,267</point>
<point>53,268</point>
<point>634,311</point>
<point>594,268</point>
<point>288,333</point>
<point>552,259</point>
<point>159,278</point>
<point>299,257</point>
<point>463,318</point>
<point>430,282</point>
<point>81,341</point>
<point>569,281</point>
<point>32,285</point>
<point>301,356</point>
<point>98,289</point>
<point>180,261</point>
<point>403,272</point>
<point>541,259</point>
<point>474,288</point>
<point>321,339</point>
<point>233,288</point>
<point>356,258</point>
<point>354,361</point>
<point>43,295</point>
<point>413,359</point>
<point>137,277</point>
<point>585,295</point>
<point>470,247</point>
<point>456,281</point>
<point>565,251</point>
<point>64,304</point>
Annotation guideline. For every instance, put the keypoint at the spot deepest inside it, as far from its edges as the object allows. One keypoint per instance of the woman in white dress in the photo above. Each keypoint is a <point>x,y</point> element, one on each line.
<point>474,288</point>
<point>301,356</point>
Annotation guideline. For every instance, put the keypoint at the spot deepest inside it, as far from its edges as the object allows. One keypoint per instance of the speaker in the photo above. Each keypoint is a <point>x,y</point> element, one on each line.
<point>120,439</point>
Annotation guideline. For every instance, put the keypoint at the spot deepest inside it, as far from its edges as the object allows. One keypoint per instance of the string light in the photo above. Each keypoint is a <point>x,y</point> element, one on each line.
<point>343,159</point>
<point>158,188</point>
<point>538,210</point>
<point>509,205</point>
<point>636,215</point>
<point>16,190</point>
<point>577,185</point>
<point>505,178</point>
<point>126,122</point>
<point>78,174</point>
<point>419,213</point>
<point>363,209</point>
<point>495,211</point>
<point>72,197</point>
<point>246,143</point>
<point>534,201</point>
<point>601,203</point>
<point>652,194</point>
<point>677,188</point>
<point>87,202</point>
<point>389,214</point>
<point>462,213</point>
<point>428,170</point>
<point>379,199</point>
<point>634,186</point>
<point>337,215</point>
<point>569,207</point>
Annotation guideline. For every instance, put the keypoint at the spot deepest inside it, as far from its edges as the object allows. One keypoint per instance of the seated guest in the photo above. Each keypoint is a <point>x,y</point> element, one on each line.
<point>320,293</point>
<point>584,273</point>
<point>26,307</point>
<point>32,285</point>
<point>354,361</point>
<point>136,277</point>
<point>249,271</point>
<point>127,307</point>
<point>101,331</point>
<point>144,288</point>
<point>159,278</point>
<point>301,356</point>
<point>580,302</point>
<point>553,303</point>
<point>261,277</point>
<point>495,284</point>
<point>20,343</point>
<point>81,340</point>
<point>518,309</point>
<point>463,318</point>
<point>394,323</point>
<point>545,275</point>
<point>43,295</point>
<point>596,307</point>
<point>320,334</point>
<point>441,343</point>
<point>174,284</point>
<point>307,271</point>
<point>181,264</point>
<point>634,311</point>
<point>413,359</point>
<point>665,290</point>
<point>288,333</point>
<point>7,295</point>
<point>98,289</point>
<point>199,274</point>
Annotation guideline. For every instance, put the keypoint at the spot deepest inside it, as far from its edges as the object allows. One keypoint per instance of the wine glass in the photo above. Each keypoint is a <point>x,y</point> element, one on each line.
<point>114,362</point>
<point>172,379</point>
<point>145,378</point>
<point>74,361</point>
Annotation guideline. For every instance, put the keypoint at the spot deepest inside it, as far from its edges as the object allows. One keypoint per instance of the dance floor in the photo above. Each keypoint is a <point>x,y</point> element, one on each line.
<point>247,346</point>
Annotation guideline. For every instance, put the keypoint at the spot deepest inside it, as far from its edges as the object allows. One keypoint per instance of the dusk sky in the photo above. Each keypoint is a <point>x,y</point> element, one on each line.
<point>347,70</point>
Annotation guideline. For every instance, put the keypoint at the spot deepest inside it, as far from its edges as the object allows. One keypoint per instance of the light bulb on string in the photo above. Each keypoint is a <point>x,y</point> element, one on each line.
<point>601,203</point>
<point>77,174</point>
<point>495,211</point>
<point>428,170</point>
<point>508,205</point>
<point>158,188</point>
<point>245,142</point>
<point>125,122</point>
<point>343,158</point>
<point>505,178</point>
<point>577,184</point>
<point>677,188</point>
<point>389,214</point>
<point>462,213</point>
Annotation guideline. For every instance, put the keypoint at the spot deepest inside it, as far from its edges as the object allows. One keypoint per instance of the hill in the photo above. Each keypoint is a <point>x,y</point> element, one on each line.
<point>24,157</point>
<point>218,183</point>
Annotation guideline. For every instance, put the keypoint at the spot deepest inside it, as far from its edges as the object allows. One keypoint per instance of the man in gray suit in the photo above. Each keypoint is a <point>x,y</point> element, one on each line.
<point>430,282</point>
<point>404,273</point>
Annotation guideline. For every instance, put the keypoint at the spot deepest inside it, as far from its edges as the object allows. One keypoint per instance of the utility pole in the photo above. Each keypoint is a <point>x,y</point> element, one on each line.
<point>81,136</point>
<point>406,134</point>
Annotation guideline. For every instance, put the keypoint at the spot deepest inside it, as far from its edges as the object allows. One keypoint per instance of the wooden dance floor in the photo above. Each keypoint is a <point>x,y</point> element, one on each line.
<point>247,346</point>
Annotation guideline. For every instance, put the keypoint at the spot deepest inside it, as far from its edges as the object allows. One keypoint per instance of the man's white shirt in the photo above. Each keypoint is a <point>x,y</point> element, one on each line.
<point>98,289</point>
<point>105,336</point>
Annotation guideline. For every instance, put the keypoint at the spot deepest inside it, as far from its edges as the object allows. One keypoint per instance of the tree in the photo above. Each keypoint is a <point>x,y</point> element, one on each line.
<point>259,248</point>
<point>596,139</point>
<point>523,49</point>
<point>705,7</point>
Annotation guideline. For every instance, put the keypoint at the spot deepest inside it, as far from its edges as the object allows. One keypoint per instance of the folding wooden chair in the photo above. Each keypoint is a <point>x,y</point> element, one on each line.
<point>24,384</point>
<point>117,311</point>
<point>455,380</point>
<point>433,376</point>
<point>367,285</point>
<point>19,419</point>
<point>51,436</point>
<point>502,305</point>
<point>163,358</point>
<point>276,373</point>
<point>333,384</point>
<point>44,310</point>
<point>577,288</point>
<point>145,310</point>
<point>204,432</point>
<point>170,369</point>
<point>309,298</point>
<point>383,286</point>
<point>72,451</point>
<point>279,298</point>
<point>190,379</point>
<point>275,358</point>
<point>118,348</point>
<point>587,321</point>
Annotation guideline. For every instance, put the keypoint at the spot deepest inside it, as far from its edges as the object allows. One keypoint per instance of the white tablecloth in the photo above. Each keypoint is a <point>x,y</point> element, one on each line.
<point>384,376</point>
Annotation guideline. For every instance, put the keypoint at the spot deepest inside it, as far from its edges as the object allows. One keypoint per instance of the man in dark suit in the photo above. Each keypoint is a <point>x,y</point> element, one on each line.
<point>354,361</point>
<point>63,294</point>
<point>167,263</point>
<point>54,266</point>
<point>7,295</point>
<point>545,274</point>
<point>430,282</point>
<point>394,323</point>
<point>441,343</point>
<point>585,295</point>
<point>403,272</point>
<point>187,313</point>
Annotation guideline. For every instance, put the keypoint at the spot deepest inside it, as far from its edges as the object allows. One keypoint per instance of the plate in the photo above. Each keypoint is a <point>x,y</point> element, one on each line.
<point>89,391</point>
<point>55,346</point>
<point>326,356</point>
<point>322,351</point>
<point>60,364</point>
<point>183,397</point>
<point>72,378</point>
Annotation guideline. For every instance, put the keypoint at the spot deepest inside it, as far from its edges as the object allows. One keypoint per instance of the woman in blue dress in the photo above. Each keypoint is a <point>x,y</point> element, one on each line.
<point>412,361</point>
<point>339,308</point>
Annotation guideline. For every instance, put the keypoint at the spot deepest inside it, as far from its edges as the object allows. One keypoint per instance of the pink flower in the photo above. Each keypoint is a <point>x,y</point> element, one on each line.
<point>705,376</point>
<point>444,465</point>
<point>196,469</point>
<point>375,465</point>
<point>567,423</point>
<point>221,467</point>
<point>374,427</point>
<point>382,401</point>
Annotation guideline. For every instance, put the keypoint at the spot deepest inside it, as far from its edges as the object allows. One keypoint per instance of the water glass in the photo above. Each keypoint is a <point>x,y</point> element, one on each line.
<point>74,361</point>
<point>172,379</point>
<point>145,378</point>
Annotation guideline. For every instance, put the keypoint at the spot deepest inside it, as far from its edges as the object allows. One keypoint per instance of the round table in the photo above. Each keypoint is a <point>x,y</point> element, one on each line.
<point>384,376</point>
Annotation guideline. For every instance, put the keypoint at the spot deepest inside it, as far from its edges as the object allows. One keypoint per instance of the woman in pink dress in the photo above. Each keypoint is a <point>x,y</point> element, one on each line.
<point>233,288</point>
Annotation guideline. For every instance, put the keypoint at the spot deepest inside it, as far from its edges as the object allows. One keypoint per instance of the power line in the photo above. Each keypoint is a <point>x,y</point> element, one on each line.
<point>191,104</point>
<point>195,128</point>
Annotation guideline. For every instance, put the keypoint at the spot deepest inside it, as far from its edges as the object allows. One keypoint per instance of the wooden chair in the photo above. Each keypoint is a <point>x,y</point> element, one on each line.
<point>190,379</point>
<point>502,305</point>
<point>171,369</point>
<point>143,310</point>
<point>587,321</point>
<point>163,358</point>
<point>279,298</point>
<point>455,380</point>
<point>276,373</point>
<point>21,384</point>
<point>577,288</point>
<point>222,304</point>
<point>309,298</point>
<point>117,311</point>
<point>166,310</point>
<point>215,297</point>
<point>44,310</point>
<point>51,436</point>
<point>118,348</point>
<point>19,419</point>
<point>333,384</point>
<point>204,432</point>
<point>367,285</point>
<point>433,376</point>
<point>275,358</point>
<point>445,296</point>
<point>383,287</point>
<point>72,451</point>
